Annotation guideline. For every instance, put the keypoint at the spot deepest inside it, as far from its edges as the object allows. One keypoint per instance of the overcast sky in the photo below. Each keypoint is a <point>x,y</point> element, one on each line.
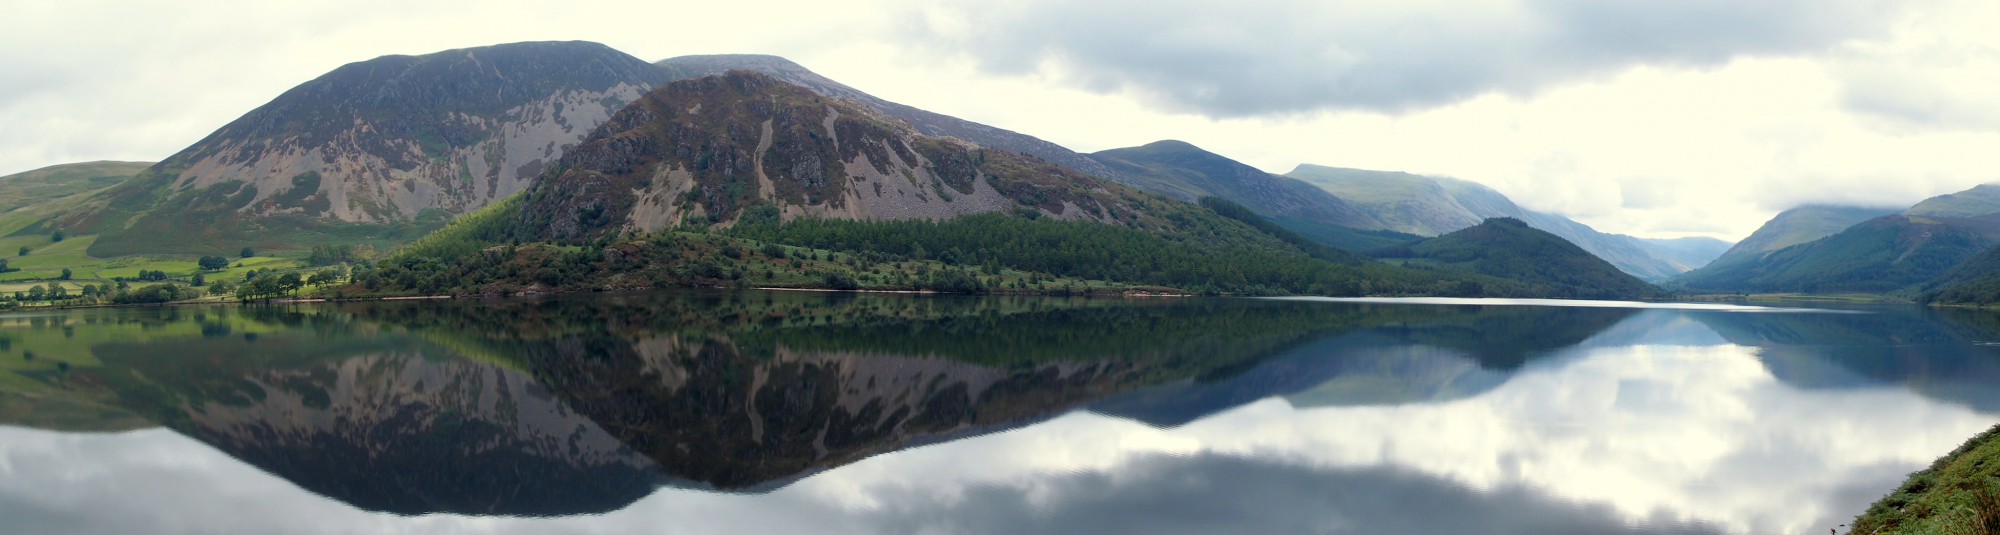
<point>1659,119</point>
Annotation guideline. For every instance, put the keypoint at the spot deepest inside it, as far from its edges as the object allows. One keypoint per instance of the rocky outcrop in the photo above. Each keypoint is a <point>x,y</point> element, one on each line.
<point>388,140</point>
<point>702,151</point>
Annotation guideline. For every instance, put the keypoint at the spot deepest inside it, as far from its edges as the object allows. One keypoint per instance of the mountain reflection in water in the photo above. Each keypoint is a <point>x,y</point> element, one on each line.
<point>586,405</point>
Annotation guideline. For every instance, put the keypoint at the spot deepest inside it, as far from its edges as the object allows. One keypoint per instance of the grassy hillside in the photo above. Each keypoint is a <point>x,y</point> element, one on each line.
<point>58,181</point>
<point>29,198</point>
<point>1797,226</point>
<point>1959,493</point>
<point>1980,200</point>
<point>1882,255</point>
<point>1509,249</point>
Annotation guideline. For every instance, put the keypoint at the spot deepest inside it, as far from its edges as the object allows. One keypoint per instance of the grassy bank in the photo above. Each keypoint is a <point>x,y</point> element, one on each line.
<point>1958,494</point>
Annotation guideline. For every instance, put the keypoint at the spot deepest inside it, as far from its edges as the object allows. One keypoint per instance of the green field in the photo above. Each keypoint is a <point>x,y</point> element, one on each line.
<point>46,259</point>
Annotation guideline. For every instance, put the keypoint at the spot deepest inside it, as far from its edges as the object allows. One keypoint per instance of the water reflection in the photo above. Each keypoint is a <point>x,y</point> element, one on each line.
<point>1269,415</point>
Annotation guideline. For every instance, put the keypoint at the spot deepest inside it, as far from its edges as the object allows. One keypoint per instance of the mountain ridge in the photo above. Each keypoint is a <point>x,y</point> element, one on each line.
<point>1184,171</point>
<point>1795,226</point>
<point>1510,248</point>
<point>926,122</point>
<point>1431,206</point>
<point>392,140</point>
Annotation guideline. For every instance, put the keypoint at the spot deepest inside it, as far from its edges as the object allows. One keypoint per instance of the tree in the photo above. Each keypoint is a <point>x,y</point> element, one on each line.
<point>24,250</point>
<point>57,237</point>
<point>199,280</point>
<point>212,263</point>
<point>37,293</point>
<point>323,277</point>
<point>840,280</point>
<point>65,274</point>
<point>327,255</point>
<point>248,252</point>
<point>290,283</point>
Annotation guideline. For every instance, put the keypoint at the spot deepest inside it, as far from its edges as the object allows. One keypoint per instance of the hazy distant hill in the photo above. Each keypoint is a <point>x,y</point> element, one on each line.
<point>29,197</point>
<point>376,150</point>
<point>57,181</point>
<point>1980,200</point>
<point>1430,206</point>
<point>1686,254</point>
<point>1508,248</point>
<point>1796,226</point>
<point>1899,252</point>
<point>1183,171</point>
<point>1880,255</point>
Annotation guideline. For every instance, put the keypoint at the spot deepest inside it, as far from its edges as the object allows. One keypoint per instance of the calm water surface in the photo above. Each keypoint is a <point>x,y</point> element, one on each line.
<point>799,412</point>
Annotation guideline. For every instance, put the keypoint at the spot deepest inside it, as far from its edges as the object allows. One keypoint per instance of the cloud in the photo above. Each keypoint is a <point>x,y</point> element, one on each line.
<point>1292,57</point>
<point>1945,90</point>
<point>1218,493</point>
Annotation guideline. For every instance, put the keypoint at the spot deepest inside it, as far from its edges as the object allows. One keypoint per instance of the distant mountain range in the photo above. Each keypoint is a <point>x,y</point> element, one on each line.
<point>385,151</point>
<point>1832,249</point>
<point>1429,206</point>
<point>1796,226</point>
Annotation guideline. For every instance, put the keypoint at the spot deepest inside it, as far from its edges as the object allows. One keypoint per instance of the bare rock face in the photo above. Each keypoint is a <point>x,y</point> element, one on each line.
<point>702,151</point>
<point>926,122</point>
<point>382,141</point>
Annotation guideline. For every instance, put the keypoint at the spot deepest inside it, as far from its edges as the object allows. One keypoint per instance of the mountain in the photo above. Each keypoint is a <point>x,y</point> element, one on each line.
<point>1181,170</point>
<point>32,196</point>
<point>1980,200</point>
<point>1430,206</point>
<point>378,150</point>
<point>1510,249</point>
<point>1796,226</point>
<point>28,188</point>
<point>1321,217</point>
<point>1686,254</point>
<point>743,179</point>
<point>703,150</point>
<point>1414,204</point>
<point>1914,251</point>
<point>1881,255</point>
<point>1976,281</point>
<point>925,122</point>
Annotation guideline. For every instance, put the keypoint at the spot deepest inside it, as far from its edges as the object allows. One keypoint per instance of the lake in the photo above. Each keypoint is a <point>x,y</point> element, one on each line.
<point>774,412</point>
